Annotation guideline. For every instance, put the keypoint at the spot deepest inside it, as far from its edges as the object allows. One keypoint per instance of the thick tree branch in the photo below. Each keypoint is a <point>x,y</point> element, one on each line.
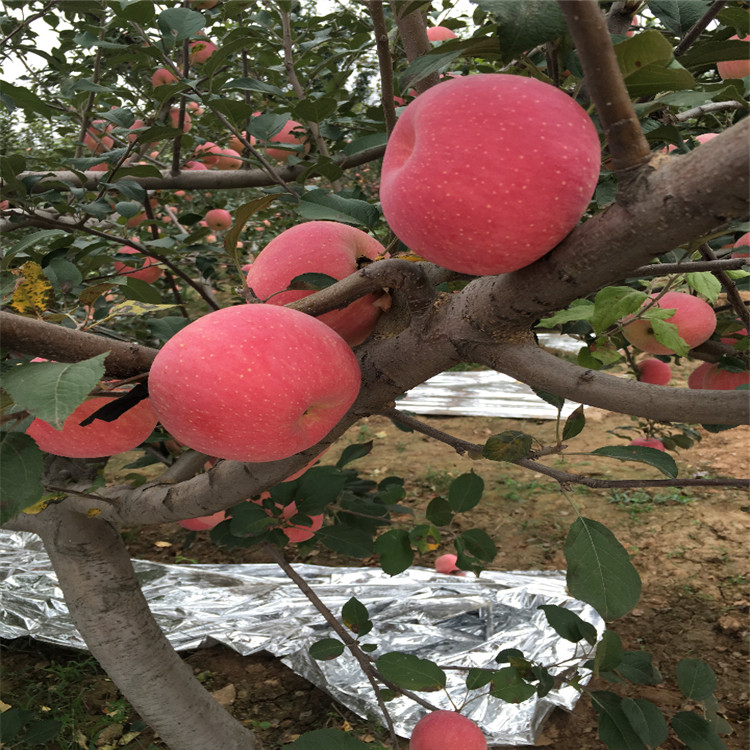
<point>588,27</point>
<point>540,369</point>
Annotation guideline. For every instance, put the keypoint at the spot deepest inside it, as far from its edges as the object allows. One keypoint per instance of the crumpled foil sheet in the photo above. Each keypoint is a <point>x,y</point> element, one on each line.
<point>486,393</point>
<point>456,621</point>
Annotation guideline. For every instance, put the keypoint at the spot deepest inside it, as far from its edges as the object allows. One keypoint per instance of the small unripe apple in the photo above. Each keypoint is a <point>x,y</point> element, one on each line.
<point>446,730</point>
<point>162,76</point>
<point>694,318</point>
<point>649,443</point>
<point>654,371</point>
<point>486,173</point>
<point>218,218</point>
<point>734,68</point>
<point>99,438</point>
<point>253,382</point>
<point>439,33</point>
<point>148,272</point>
<point>201,50</point>
<point>319,247</point>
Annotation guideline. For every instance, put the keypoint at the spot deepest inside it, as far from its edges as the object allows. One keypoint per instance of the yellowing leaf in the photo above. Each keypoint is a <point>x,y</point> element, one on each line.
<point>38,507</point>
<point>93,512</point>
<point>33,292</point>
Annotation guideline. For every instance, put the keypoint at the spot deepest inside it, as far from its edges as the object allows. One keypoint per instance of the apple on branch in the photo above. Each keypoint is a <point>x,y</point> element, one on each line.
<point>486,173</point>
<point>253,382</point>
<point>218,218</point>
<point>325,247</point>
<point>148,272</point>
<point>446,730</point>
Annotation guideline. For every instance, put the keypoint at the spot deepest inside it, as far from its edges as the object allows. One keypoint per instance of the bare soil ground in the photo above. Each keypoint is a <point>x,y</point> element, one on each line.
<point>689,546</point>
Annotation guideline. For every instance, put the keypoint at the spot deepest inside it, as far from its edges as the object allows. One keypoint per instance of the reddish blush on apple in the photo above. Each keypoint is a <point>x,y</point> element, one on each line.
<point>95,140</point>
<point>99,438</point>
<point>253,382</point>
<point>694,318</point>
<point>698,375</point>
<point>148,272</point>
<point>218,218</point>
<point>162,76</point>
<point>228,159</point>
<point>201,50</point>
<point>648,442</point>
<point>734,68</point>
<point>440,33</point>
<point>319,247</point>
<point>203,523</point>
<point>717,379</point>
<point>447,564</point>
<point>446,730</point>
<point>654,371</point>
<point>477,198</point>
<point>293,134</point>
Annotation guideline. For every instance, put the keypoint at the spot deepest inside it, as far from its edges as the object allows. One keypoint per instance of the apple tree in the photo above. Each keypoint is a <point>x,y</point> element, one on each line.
<point>188,187</point>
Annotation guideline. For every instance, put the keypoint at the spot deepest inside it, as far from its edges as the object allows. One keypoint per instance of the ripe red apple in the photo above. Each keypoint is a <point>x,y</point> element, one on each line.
<point>203,523</point>
<point>698,375</point>
<point>649,443</point>
<point>447,564</point>
<point>201,50</point>
<point>208,153</point>
<point>694,318</point>
<point>237,145</point>
<point>174,120</point>
<point>486,173</point>
<point>734,68</point>
<point>228,159</point>
<point>162,76</point>
<point>654,371</point>
<point>99,438</point>
<point>297,532</point>
<point>95,140</point>
<point>742,245</point>
<point>320,247</point>
<point>439,34</point>
<point>293,134</point>
<point>724,380</point>
<point>195,165</point>
<point>148,272</point>
<point>446,730</point>
<point>253,382</point>
<point>218,218</point>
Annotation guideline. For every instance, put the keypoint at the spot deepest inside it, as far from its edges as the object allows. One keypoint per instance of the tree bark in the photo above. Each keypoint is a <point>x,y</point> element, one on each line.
<point>107,606</point>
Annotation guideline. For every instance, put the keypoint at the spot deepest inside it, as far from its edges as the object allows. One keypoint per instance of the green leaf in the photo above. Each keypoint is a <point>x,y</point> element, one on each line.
<point>652,456</point>
<point>668,334</point>
<point>16,96</point>
<point>312,281</point>
<point>509,686</point>
<point>478,543</point>
<point>695,679</point>
<point>614,303</point>
<point>129,188</point>
<point>326,649</point>
<point>177,24</point>
<point>327,739</point>
<point>736,17</point>
<point>52,390</point>
<point>705,283</point>
<point>346,540</point>
<point>319,205</point>
<point>636,667</point>
<point>353,452</point>
<point>678,15</point>
<point>509,654</point>
<point>647,721</point>
<point>557,401</point>
<point>574,424</point>
<point>465,492</point>
<point>696,732</point>
<point>63,274</point>
<point>510,445</point>
<point>425,537</point>
<point>251,84</point>
<point>524,24</point>
<point>599,569</point>
<point>240,217</point>
<point>355,617</point>
<point>615,730</point>
<point>439,512</point>
<point>477,678</point>
<point>365,142</point>
<point>42,238</point>
<point>568,624</point>
<point>609,652</point>
<point>315,110</point>
<point>249,519</point>
<point>411,672</point>
<point>578,310</point>
<point>21,470</point>
<point>546,681</point>
<point>265,127</point>
<point>394,551</point>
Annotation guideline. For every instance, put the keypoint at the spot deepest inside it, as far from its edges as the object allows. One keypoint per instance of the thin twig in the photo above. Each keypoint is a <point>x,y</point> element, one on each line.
<point>733,295</point>
<point>696,112</point>
<point>375,7</point>
<point>664,269</point>
<point>27,21</point>
<point>699,27</point>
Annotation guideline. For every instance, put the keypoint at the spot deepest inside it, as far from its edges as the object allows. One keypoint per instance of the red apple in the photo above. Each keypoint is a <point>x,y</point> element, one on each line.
<point>297,532</point>
<point>742,245</point>
<point>694,318</point>
<point>446,730</point>
<point>148,272</point>
<point>203,523</point>
<point>447,564</point>
<point>193,165</point>
<point>293,134</point>
<point>654,371</point>
<point>174,120</point>
<point>439,33</point>
<point>318,247</point>
<point>734,68</point>
<point>228,159</point>
<point>95,140</point>
<point>208,153</point>
<point>162,76</point>
<point>237,145</point>
<point>201,50</point>
<point>99,438</point>
<point>648,443</point>
<point>486,173</point>
<point>724,380</point>
<point>253,382</point>
<point>218,218</point>
<point>698,375</point>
